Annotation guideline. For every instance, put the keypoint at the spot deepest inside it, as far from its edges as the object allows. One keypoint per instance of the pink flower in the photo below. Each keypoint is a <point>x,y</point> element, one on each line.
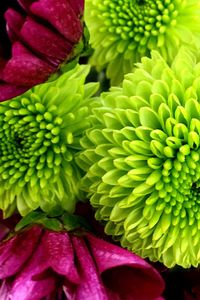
<point>36,37</point>
<point>41,264</point>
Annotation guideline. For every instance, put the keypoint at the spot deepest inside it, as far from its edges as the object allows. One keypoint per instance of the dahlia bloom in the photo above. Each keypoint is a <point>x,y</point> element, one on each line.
<point>142,160</point>
<point>39,133</point>
<point>36,37</point>
<point>124,31</point>
<point>38,263</point>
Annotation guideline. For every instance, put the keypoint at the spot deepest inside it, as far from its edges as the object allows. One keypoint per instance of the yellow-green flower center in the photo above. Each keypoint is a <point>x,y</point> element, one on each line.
<point>140,21</point>
<point>31,145</point>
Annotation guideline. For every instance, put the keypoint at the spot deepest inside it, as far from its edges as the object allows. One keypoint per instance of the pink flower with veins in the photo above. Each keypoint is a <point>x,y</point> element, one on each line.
<point>36,37</point>
<point>41,264</point>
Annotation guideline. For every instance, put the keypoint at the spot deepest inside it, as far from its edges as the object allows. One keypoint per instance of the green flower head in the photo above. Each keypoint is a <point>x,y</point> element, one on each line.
<point>123,31</point>
<point>39,136</point>
<point>142,158</point>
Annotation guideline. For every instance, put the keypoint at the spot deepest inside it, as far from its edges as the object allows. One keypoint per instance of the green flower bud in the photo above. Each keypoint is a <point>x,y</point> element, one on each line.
<point>123,31</point>
<point>142,160</point>
<point>39,136</point>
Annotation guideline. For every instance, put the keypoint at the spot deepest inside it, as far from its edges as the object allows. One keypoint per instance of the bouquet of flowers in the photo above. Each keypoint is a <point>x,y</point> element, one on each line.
<point>100,150</point>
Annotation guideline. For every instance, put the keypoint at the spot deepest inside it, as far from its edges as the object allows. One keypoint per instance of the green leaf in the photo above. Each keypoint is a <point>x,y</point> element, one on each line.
<point>32,217</point>
<point>72,222</point>
<point>51,223</point>
<point>56,211</point>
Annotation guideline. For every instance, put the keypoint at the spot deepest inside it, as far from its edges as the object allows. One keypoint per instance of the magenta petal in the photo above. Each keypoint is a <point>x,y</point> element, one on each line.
<point>61,15</point>
<point>25,3</point>
<point>15,252</point>
<point>4,290</point>
<point>113,256</point>
<point>14,22</point>
<point>77,5</point>
<point>25,69</point>
<point>125,273</point>
<point>54,252</point>
<point>24,288</point>
<point>42,40</point>
<point>91,286</point>
<point>8,91</point>
<point>59,255</point>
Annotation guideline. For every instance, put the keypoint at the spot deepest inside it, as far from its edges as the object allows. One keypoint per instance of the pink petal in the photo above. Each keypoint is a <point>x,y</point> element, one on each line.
<point>25,3</point>
<point>15,252</point>
<point>24,288</point>
<point>77,5</point>
<point>44,41</point>
<point>59,255</point>
<point>8,91</point>
<point>125,273</point>
<point>4,290</point>
<point>54,252</point>
<point>14,23</point>
<point>3,63</point>
<point>61,15</point>
<point>25,69</point>
<point>91,286</point>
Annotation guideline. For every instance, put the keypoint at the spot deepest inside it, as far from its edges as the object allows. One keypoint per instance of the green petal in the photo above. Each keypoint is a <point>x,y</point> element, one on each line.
<point>141,159</point>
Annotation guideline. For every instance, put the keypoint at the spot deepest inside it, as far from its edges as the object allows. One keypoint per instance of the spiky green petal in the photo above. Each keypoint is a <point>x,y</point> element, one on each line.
<point>123,31</point>
<point>39,136</point>
<point>142,158</point>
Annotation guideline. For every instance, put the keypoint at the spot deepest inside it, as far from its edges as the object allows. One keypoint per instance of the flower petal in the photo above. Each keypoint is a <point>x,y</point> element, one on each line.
<point>24,68</point>
<point>4,290</point>
<point>77,5</point>
<point>25,3</point>
<point>8,91</point>
<point>24,288</point>
<point>37,280</point>
<point>39,38</point>
<point>58,251</point>
<point>91,286</point>
<point>15,252</point>
<point>44,41</point>
<point>14,22</point>
<point>60,14</point>
<point>125,273</point>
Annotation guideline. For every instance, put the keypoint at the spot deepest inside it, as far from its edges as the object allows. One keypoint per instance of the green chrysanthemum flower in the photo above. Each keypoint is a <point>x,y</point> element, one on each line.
<point>123,31</point>
<point>39,136</point>
<point>142,158</point>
